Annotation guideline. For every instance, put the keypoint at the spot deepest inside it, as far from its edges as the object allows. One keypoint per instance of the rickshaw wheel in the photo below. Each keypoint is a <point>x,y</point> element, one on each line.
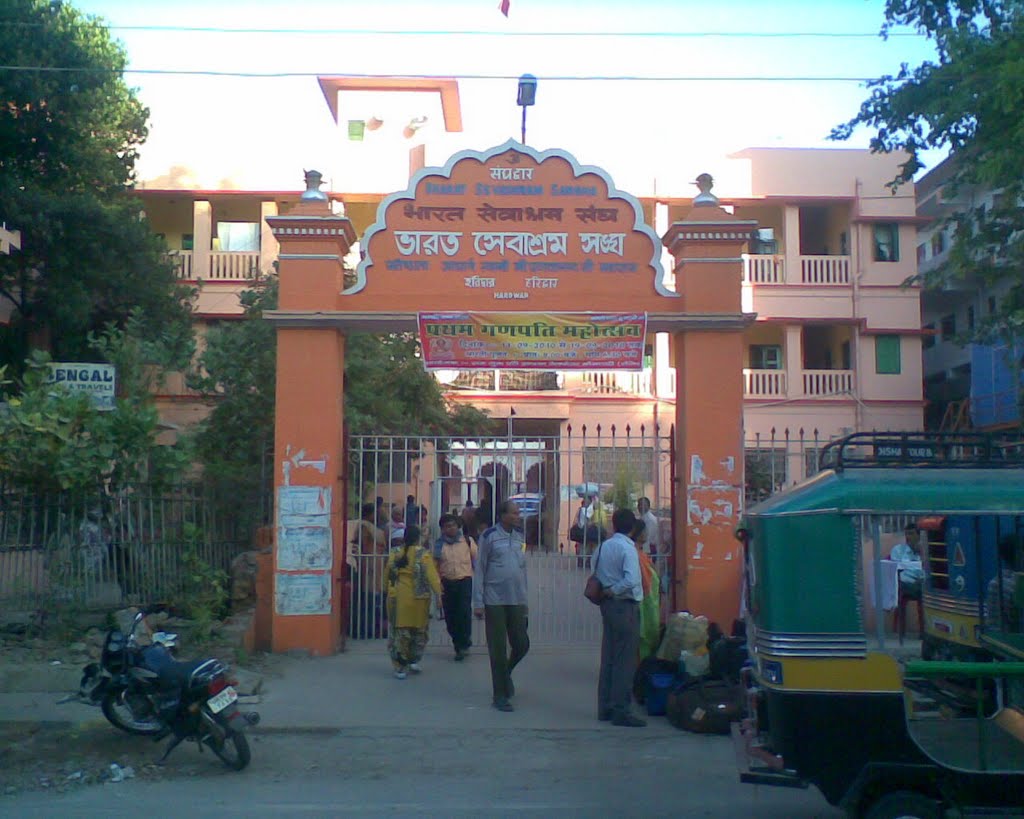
<point>904,805</point>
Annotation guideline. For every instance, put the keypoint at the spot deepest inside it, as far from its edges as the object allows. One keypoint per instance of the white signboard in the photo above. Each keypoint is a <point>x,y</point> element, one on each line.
<point>98,381</point>
<point>303,593</point>
<point>304,528</point>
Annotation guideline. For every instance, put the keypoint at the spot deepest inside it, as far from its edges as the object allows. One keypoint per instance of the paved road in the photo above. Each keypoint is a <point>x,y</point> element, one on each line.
<point>416,773</point>
<point>341,736</point>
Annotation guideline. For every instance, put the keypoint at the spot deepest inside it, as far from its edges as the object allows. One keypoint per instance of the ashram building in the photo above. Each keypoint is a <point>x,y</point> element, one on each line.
<point>771,304</point>
<point>835,346</point>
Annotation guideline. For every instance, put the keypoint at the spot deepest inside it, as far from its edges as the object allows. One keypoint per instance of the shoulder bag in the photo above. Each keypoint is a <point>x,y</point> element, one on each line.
<point>593,590</point>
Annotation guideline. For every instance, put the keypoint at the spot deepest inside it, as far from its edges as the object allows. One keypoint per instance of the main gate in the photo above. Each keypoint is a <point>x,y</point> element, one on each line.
<point>548,475</point>
<point>544,253</point>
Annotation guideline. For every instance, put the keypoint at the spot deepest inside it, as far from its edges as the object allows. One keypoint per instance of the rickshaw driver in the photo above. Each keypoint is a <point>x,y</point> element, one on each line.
<point>908,556</point>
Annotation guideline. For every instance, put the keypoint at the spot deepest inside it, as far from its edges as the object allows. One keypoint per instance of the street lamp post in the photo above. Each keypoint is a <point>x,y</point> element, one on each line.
<point>527,96</point>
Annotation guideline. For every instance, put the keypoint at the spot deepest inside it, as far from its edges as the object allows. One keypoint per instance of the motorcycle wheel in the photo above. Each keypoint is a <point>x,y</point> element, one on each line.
<point>138,721</point>
<point>233,751</point>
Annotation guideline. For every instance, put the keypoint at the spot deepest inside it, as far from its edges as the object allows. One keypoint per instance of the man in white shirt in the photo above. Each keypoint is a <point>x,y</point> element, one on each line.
<point>617,568</point>
<point>910,568</point>
<point>643,509</point>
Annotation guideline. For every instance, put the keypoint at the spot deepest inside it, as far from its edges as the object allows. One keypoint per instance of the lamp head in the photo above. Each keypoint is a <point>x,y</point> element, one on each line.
<point>527,90</point>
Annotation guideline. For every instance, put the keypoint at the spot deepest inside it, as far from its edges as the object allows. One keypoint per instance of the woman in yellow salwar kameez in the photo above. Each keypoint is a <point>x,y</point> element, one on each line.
<point>650,606</point>
<point>410,577</point>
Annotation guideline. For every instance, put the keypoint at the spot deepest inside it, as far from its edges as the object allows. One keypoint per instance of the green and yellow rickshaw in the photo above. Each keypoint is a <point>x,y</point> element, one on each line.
<point>837,703</point>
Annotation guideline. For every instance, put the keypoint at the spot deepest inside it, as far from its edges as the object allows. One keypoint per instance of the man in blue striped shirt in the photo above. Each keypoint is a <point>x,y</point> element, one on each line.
<point>617,569</point>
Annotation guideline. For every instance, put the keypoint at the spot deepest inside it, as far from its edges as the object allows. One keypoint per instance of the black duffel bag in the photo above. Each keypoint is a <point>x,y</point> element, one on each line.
<point>705,706</point>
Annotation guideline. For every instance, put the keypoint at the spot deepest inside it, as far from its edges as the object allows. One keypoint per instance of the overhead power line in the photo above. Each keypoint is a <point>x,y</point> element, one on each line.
<point>489,33</point>
<point>186,72</point>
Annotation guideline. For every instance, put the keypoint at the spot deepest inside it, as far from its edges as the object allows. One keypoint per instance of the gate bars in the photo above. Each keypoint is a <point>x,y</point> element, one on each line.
<point>547,475</point>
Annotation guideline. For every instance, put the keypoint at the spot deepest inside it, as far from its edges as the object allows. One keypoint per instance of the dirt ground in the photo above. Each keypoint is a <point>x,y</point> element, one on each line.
<point>59,756</point>
<point>52,756</point>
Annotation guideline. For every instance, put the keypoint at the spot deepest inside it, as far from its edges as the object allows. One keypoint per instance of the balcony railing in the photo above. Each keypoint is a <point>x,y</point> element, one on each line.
<point>182,261</point>
<point>764,383</point>
<point>815,270</point>
<point>821,383</point>
<point>825,270</point>
<point>762,269</point>
<point>615,383</point>
<point>225,265</point>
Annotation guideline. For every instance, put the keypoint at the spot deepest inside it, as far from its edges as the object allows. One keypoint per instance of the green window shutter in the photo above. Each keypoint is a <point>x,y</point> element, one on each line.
<point>887,355</point>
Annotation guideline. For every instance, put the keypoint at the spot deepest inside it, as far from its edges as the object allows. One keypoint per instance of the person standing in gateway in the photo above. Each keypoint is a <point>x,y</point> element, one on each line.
<point>617,568</point>
<point>499,596</point>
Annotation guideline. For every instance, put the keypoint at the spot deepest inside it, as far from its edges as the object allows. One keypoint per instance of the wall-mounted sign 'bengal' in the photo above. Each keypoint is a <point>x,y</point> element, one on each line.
<point>513,224</point>
<point>523,341</point>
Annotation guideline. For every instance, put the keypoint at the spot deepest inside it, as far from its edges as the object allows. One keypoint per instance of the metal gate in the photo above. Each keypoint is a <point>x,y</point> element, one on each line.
<point>394,478</point>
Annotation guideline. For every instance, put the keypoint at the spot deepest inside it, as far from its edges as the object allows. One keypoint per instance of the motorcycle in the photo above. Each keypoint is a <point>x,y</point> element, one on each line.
<point>143,690</point>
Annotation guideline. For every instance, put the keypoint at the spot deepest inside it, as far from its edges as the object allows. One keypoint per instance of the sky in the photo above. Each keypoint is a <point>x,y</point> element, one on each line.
<point>678,114</point>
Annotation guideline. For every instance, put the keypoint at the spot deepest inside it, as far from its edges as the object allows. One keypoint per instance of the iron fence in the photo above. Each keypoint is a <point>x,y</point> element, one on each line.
<point>102,550</point>
<point>549,472</point>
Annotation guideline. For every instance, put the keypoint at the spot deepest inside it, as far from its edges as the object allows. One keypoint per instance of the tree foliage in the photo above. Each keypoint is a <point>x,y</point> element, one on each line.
<point>387,391</point>
<point>53,440</point>
<point>970,99</point>
<point>70,131</point>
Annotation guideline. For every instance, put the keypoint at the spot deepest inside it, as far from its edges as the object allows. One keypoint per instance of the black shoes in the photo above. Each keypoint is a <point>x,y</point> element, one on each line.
<point>604,716</point>
<point>460,655</point>
<point>629,721</point>
<point>503,705</point>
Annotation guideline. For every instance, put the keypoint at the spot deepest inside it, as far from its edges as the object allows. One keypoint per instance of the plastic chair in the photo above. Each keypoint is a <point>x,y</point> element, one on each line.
<point>901,610</point>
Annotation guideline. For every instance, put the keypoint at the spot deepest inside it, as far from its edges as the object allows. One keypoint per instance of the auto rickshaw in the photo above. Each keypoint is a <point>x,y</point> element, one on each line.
<point>833,703</point>
<point>961,557</point>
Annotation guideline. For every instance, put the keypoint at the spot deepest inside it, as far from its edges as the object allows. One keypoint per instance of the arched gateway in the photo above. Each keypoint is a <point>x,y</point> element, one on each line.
<point>508,257</point>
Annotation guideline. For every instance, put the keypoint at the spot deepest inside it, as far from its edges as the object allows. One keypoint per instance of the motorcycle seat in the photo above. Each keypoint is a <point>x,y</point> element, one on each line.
<point>170,672</point>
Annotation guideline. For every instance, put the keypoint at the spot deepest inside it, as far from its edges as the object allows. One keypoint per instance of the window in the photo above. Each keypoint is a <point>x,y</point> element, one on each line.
<point>765,357</point>
<point>922,253</point>
<point>887,355</point>
<point>928,338</point>
<point>238,236</point>
<point>188,241</point>
<point>948,327</point>
<point>887,242</point>
<point>938,243</point>
<point>970,318</point>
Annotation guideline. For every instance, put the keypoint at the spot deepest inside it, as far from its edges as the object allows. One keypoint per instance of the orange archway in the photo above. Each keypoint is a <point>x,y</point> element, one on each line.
<point>534,261</point>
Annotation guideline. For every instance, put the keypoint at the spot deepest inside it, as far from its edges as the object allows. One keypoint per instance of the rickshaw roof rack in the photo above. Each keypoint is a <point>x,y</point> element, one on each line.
<point>923,450</point>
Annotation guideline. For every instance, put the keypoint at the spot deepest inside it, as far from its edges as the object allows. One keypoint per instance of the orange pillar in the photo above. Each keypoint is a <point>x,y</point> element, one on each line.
<point>708,492</point>
<point>309,510</point>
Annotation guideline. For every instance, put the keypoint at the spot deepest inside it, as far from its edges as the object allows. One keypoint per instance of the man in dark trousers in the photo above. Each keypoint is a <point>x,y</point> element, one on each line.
<point>617,568</point>
<point>499,595</point>
<point>455,553</point>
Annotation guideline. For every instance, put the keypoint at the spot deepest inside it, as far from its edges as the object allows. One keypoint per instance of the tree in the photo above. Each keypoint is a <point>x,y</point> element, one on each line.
<point>70,130</point>
<point>969,99</point>
<point>52,440</point>
<point>387,392</point>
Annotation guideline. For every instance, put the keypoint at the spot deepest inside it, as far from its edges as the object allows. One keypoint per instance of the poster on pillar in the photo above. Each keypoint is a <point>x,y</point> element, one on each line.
<point>523,341</point>
<point>304,539</point>
<point>305,593</point>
